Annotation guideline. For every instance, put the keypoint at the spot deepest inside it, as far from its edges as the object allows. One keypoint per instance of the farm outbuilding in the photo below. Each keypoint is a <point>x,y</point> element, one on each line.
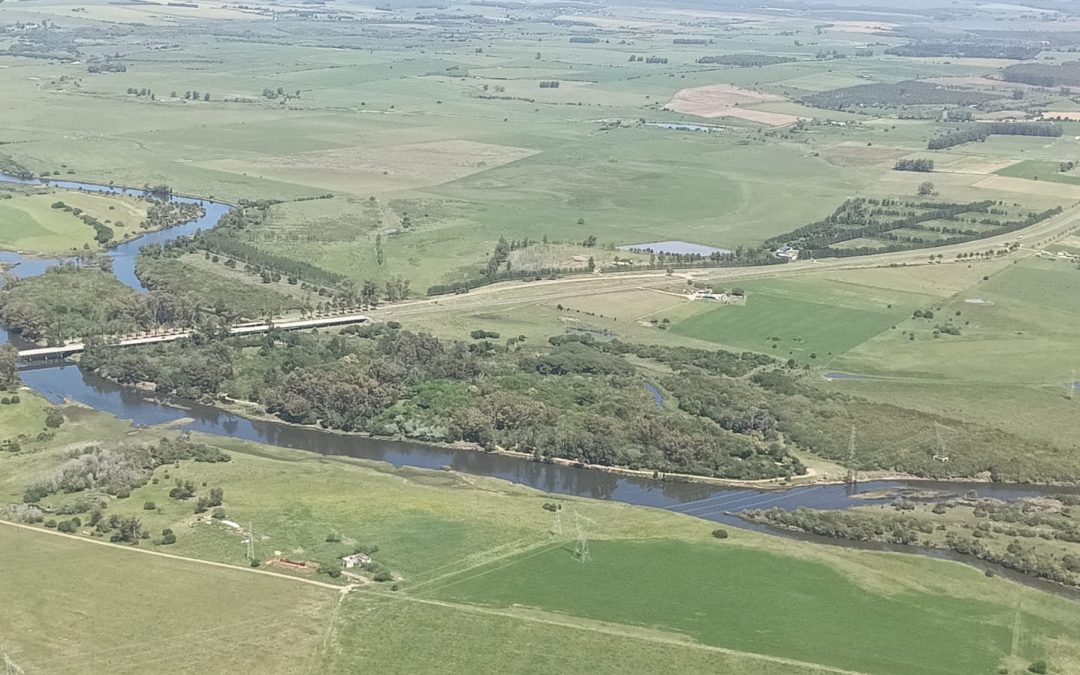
<point>355,560</point>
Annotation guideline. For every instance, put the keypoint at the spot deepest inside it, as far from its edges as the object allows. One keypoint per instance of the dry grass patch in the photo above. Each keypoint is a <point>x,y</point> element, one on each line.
<point>725,100</point>
<point>1071,115</point>
<point>1030,187</point>
<point>357,169</point>
<point>854,154</point>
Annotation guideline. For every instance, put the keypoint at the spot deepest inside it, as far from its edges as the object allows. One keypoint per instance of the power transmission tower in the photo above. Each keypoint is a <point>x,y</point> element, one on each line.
<point>10,667</point>
<point>556,521</point>
<point>581,547</point>
<point>942,454</point>
<point>250,554</point>
<point>851,477</point>
<point>1070,386</point>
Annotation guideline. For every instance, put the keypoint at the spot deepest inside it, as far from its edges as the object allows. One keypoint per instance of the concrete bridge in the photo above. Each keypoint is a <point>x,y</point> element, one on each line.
<point>41,353</point>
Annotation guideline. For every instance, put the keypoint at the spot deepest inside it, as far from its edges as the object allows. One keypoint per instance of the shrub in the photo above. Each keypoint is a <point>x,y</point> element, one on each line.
<point>720,533</point>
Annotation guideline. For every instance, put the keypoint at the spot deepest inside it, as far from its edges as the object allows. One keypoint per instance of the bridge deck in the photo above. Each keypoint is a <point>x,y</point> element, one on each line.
<point>247,329</point>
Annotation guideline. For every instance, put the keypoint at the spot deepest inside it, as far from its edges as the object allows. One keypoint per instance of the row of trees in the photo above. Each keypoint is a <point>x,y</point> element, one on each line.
<point>745,60</point>
<point>983,130</point>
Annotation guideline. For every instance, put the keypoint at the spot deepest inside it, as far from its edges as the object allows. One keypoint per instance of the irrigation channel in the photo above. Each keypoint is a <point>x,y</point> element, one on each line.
<point>64,381</point>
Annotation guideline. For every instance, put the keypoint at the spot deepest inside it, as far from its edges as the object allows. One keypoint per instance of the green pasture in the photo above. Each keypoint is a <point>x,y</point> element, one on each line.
<point>805,319</point>
<point>1039,170</point>
<point>1008,367</point>
<point>750,600</point>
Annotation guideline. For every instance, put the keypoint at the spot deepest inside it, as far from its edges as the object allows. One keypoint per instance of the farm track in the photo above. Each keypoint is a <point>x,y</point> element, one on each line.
<point>617,630</point>
<point>236,568</point>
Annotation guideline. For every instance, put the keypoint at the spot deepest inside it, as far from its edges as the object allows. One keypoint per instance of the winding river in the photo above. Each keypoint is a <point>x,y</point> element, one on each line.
<point>66,381</point>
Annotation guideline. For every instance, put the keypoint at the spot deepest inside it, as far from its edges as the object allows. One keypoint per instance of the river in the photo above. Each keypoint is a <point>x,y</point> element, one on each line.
<point>66,381</point>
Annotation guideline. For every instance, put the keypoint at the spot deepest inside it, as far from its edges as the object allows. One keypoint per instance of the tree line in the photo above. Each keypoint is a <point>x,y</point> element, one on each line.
<point>922,165</point>
<point>982,130</point>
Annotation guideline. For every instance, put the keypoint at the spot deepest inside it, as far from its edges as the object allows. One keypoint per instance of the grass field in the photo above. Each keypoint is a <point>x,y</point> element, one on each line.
<point>724,595</point>
<point>1039,170</point>
<point>31,224</point>
<point>806,320</point>
<point>122,612</point>
<point>476,559</point>
<point>1021,320</point>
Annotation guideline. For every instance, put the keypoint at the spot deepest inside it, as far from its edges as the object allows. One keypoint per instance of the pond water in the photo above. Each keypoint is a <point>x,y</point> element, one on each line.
<point>681,126</point>
<point>673,247</point>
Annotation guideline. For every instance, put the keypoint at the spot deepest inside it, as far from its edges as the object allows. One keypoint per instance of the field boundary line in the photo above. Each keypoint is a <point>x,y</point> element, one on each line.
<point>173,556</point>
<point>606,628</point>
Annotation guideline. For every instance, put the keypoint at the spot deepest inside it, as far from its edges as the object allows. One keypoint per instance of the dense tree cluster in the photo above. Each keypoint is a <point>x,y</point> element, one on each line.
<point>71,302</point>
<point>891,95</point>
<point>1044,74</point>
<point>165,214</point>
<point>107,66</point>
<point>575,399</point>
<point>983,130</point>
<point>921,165</point>
<point>746,60</point>
<point>117,471</point>
<point>983,49</point>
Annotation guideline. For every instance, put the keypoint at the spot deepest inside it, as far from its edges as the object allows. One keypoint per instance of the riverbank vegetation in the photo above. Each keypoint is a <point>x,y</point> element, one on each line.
<point>1037,536</point>
<point>731,415</point>
<point>68,302</point>
<point>503,533</point>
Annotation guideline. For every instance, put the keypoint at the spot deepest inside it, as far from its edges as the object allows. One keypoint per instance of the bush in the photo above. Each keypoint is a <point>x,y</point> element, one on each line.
<point>218,513</point>
<point>383,575</point>
<point>54,418</point>
<point>149,506</point>
<point>1039,668</point>
<point>720,533</point>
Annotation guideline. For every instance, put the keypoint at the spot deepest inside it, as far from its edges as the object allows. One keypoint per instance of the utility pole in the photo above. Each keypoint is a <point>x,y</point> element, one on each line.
<point>1070,386</point>
<point>251,542</point>
<point>942,451</point>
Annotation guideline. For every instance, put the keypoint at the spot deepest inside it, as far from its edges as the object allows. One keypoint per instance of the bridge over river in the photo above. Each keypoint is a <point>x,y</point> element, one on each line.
<point>43,353</point>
